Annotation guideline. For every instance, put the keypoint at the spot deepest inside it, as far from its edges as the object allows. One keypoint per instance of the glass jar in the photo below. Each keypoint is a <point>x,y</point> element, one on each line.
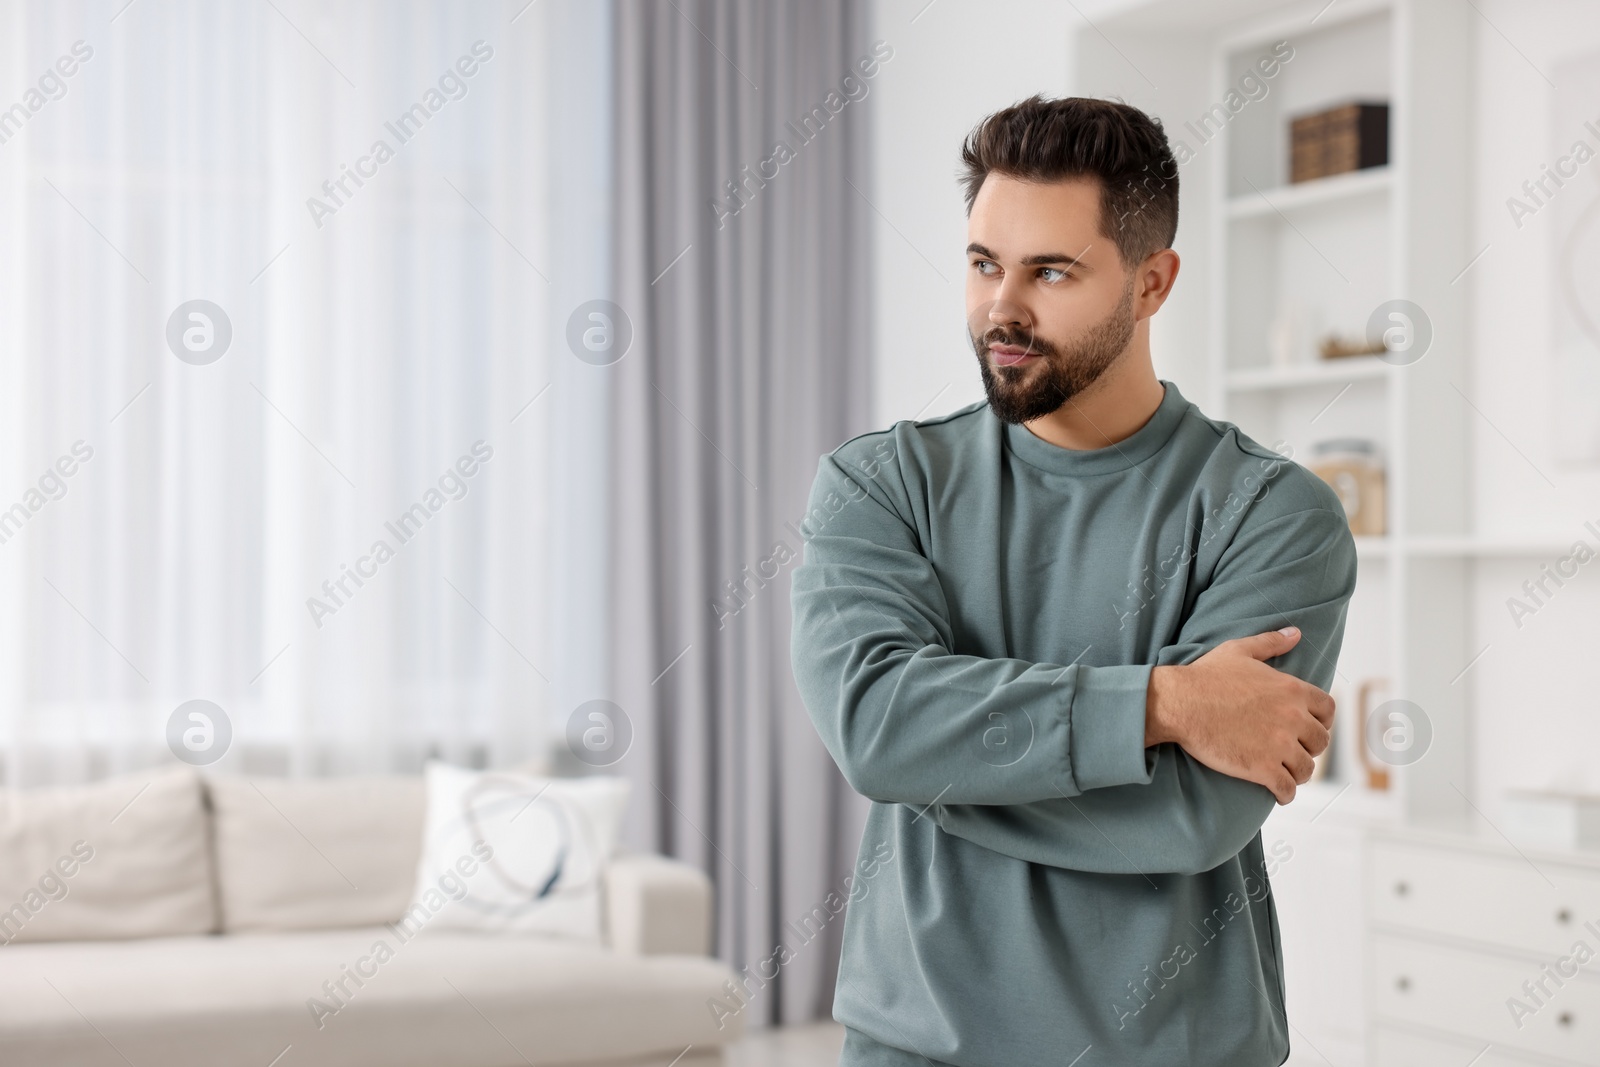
<point>1353,467</point>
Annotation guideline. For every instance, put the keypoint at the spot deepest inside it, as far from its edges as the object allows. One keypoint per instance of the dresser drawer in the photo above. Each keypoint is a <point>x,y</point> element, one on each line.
<point>1467,993</point>
<point>1402,1048</point>
<point>1483,897</point>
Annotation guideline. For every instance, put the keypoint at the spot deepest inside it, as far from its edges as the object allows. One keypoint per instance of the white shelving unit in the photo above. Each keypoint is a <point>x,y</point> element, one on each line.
<point>1329,372</point>
<point>1406,919</point>
<point>1354,187</point>
<point>1335,249</point>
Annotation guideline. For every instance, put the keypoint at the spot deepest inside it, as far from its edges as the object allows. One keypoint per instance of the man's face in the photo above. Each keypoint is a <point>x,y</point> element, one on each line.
<point>1050,306</point>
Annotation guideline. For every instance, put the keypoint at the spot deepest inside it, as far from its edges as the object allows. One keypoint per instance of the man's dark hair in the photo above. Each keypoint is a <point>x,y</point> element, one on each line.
<point>1047,140</point>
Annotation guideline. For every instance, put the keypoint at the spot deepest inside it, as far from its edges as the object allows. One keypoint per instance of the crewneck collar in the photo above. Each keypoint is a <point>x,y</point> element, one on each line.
<point>1139,446</point>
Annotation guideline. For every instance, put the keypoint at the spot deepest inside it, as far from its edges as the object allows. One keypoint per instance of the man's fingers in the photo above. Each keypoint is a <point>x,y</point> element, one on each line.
<point>1320,704</point>
<point>1301,765</point>
<point>1272,643</point>
<point>1282,786</point>
<point>1315,736</point>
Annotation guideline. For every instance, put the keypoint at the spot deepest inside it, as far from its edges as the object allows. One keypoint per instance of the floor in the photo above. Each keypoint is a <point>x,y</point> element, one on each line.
<point>812,1045</point>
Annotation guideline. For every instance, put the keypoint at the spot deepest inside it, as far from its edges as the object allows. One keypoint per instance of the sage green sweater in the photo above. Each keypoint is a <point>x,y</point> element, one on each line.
<point>975,621</point>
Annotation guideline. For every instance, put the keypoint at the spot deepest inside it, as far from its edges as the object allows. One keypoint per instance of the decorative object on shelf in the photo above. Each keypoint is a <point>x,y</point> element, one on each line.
<point>1290,332</point>
<point>1352,466</point>
<point>1377,773</point>
<point>1350,137</point>
<point>1556,818</point>
<point>1336,346</point>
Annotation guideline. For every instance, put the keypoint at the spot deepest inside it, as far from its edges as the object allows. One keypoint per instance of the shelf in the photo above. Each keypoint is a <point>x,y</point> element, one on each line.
<point>1368,547</point>
<point>1466,547</point>
<point>1382,547</point>
<point>1327,372</point>
<point>1342,804</point>
<point>1373,181</point>
<point>1489,547</point>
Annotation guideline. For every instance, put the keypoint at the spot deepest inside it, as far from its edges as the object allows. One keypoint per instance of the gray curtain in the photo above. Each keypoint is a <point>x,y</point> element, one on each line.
<point>749,360</point>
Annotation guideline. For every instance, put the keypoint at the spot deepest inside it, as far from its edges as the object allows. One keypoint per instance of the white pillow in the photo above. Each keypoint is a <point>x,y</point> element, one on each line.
<point>514,853</point>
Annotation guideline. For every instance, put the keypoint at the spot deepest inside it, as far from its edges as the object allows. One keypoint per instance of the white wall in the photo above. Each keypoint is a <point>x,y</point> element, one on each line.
<point>1153,72</point>
<point>957,62</point>
<point>954,62</point>
<point>1536,708</point>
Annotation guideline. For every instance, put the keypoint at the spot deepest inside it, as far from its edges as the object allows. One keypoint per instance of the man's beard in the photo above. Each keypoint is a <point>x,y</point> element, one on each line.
<point>1022,394</point>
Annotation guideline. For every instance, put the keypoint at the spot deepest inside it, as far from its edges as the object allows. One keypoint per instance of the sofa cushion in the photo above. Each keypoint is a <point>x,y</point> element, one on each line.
<point>516,853</point>
<point>302,855</point>
<point>122,858</point>
<point>468,1000</point>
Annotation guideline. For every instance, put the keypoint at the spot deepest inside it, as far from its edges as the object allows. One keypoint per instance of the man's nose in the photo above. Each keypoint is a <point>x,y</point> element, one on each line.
<point>1008,313</point>
<point>1005,313</point>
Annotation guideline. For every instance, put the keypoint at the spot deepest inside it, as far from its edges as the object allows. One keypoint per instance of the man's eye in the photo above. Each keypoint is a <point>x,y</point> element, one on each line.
<point>982,265</point>
<point>1047,271</point>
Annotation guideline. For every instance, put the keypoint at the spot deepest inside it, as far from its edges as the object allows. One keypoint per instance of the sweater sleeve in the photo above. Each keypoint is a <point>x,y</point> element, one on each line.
<point>906,719</point>
<point>1187,818</point>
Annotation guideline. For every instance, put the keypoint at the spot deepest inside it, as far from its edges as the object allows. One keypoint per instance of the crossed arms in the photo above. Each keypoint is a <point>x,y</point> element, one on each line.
<point>1165,767</point>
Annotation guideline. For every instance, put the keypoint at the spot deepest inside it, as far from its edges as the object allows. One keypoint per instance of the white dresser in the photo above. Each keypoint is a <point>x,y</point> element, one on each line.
<point>1473,943</point>
<point>1402,946</point>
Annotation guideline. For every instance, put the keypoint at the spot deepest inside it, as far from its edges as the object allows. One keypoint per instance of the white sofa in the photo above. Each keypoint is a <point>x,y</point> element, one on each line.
<point>173,919</point>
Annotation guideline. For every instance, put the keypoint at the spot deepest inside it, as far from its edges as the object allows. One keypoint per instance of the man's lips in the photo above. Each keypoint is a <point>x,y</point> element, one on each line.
<point>1010,355</point>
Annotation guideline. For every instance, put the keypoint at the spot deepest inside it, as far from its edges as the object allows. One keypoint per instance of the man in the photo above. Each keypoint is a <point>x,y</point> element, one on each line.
<point>1072,642</point>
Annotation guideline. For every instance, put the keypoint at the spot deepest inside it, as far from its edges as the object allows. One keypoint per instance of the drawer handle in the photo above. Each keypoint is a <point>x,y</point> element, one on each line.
<point>1565,1018</point>
<point>1564,916</point>
<point>1402,983</point>
<point>1401,889</point>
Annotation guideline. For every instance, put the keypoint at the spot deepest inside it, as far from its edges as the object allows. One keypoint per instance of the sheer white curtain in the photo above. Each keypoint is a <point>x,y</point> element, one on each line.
<point>387,338</point>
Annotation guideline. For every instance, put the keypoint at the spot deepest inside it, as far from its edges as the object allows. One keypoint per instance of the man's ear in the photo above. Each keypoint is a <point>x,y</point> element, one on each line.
<point>1153,282</point>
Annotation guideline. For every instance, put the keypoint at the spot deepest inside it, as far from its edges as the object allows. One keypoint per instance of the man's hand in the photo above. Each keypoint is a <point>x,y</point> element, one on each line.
<point>1238,716</point>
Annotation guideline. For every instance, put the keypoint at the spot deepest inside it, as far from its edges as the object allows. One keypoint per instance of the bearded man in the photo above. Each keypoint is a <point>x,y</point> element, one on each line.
<point>1072,642</point>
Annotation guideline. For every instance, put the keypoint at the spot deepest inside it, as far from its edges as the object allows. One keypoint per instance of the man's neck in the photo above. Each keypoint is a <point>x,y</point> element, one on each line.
<point>1119,402</point>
